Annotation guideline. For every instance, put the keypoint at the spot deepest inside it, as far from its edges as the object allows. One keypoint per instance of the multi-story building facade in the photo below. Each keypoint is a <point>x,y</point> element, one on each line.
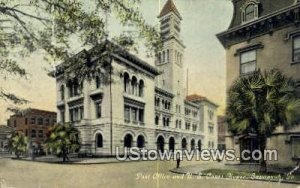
<point>33,123</point>
<point>264,34</point>
<point>142,105</point>
<point>222,131</point>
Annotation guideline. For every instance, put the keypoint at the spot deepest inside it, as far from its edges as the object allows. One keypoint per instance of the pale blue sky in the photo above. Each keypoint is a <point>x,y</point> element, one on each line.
<point>204,55</point>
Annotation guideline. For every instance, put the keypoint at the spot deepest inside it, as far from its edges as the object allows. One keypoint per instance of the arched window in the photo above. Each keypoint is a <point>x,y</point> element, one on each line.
<point>199,145</point>
<point>140,141</point>
<point>192,144</point>
<point>126,82</point>
<point>128,141</point>
<point>171,144</point>
<point>141,88</point>
<point>160,143</point>
<point>179,124</point>
<point>156,120</point>
<point>134,85</point>
<point>183,143</point>
<point>62,92</point>
<point>168,122</point>
<point>249,12</point>
<point>164,56</point>
<point>99,140</point>
<point>98,82</point>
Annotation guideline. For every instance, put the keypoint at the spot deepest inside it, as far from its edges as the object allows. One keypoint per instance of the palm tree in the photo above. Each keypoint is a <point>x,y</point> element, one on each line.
<point>63,139</point>
<point>18,144</point>
<point>261,102</point>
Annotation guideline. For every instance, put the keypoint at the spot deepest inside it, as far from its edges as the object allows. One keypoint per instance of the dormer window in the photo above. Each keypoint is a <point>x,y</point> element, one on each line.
<point>250,11</point>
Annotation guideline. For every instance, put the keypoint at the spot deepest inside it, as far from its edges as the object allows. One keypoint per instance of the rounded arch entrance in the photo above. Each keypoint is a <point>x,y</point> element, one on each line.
<point>171,144</point>
<point>199,145</point>
<point>160,143</point>
<point>140,141</point>
<point>184,143</point>
<point>128,141</point>
<point>193,144</point>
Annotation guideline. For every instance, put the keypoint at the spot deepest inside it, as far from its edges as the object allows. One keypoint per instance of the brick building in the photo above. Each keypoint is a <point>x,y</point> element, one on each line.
<point>33,123</point>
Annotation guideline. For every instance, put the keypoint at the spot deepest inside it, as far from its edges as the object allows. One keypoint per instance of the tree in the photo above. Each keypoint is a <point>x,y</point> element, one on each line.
<point>261,102</point>
<point>50,27</point>
<point>18,144</point>
<point>63,139</point>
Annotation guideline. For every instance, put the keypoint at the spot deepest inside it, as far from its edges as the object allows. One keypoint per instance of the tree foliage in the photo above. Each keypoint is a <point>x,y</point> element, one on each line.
<point>63,139</point>
<point>18,144</point>
<point>50,26</point>
<point>260,102</point>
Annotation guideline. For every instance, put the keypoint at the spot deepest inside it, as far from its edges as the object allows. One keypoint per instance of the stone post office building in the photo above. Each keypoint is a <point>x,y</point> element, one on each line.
<point>264,34</point>
<point>142,105</point>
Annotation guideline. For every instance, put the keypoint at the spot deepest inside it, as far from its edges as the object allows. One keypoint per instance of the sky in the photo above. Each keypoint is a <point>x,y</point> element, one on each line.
<point>204,56</point>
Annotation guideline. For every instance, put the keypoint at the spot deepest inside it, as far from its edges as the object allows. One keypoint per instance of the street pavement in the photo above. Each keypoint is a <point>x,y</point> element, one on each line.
<point>156,174</point>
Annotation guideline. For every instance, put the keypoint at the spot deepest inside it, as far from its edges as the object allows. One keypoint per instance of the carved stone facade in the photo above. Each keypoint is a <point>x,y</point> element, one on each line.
<point>143,106</point>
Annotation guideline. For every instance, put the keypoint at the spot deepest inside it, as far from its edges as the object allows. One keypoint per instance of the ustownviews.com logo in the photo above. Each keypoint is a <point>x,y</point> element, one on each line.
<point>136,154</point>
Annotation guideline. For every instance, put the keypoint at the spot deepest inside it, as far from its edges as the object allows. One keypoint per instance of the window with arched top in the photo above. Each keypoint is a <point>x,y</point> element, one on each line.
<point>164,56</point>
<point>156,120</point>
<point>134,85</point>
<point>141,88</point>
<point>250,10</point>
<point>126,82</point>
<point>183,144</point>
<point>99,140</point>
<point>128,141</point>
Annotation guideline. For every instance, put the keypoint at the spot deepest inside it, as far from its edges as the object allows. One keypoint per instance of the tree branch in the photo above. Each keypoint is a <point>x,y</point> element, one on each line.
<point>5,9</point>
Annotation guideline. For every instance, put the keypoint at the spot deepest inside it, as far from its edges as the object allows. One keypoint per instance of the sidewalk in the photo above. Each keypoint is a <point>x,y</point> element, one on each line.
<point>74,160</point>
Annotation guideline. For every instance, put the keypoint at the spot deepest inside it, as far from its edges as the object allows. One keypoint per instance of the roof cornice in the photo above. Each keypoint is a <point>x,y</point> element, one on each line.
<point>164,92</point>
<point>119,53</point>
<point>262,25</point>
